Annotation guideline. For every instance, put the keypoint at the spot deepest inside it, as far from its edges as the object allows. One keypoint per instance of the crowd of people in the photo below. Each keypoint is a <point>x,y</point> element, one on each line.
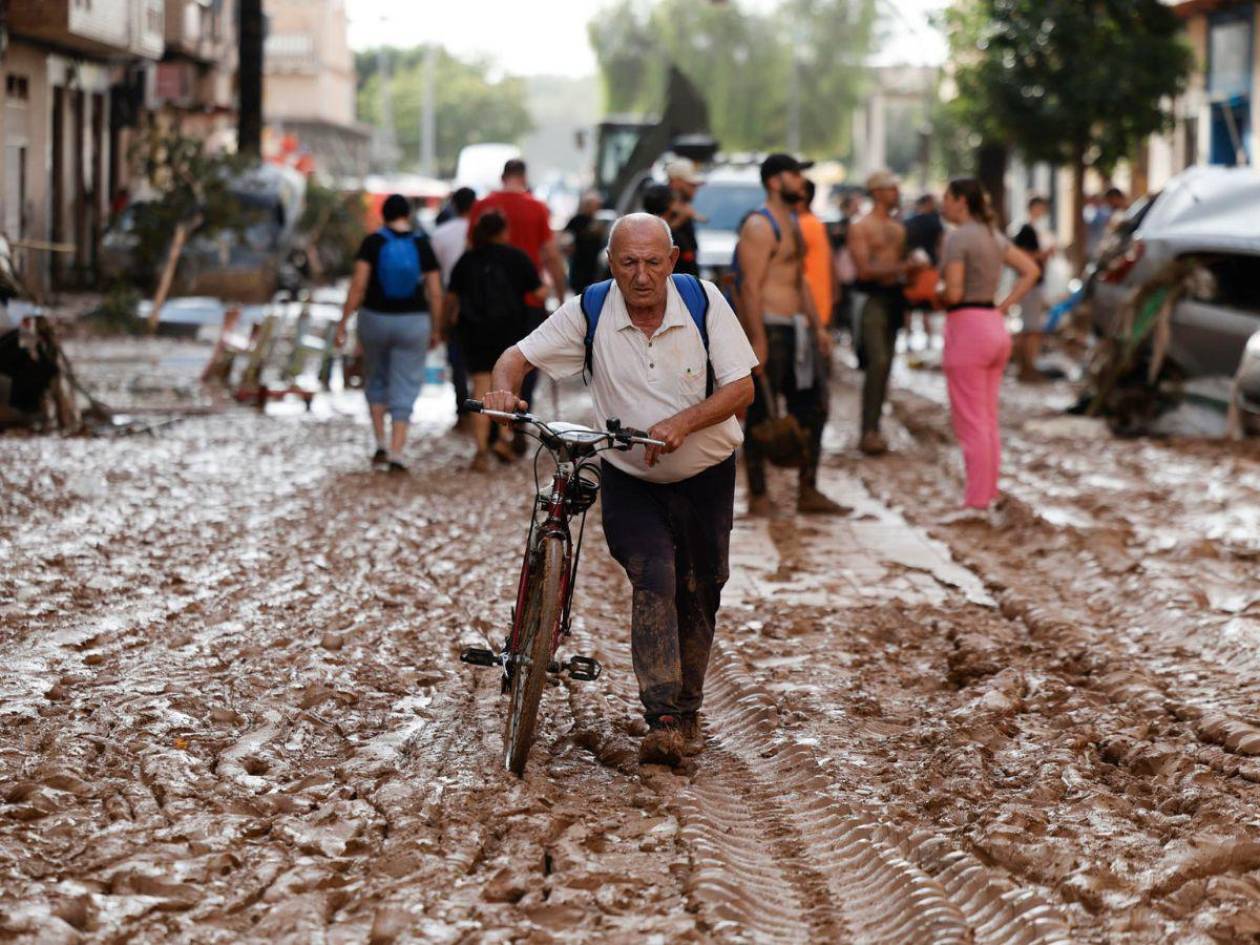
<point>482,280</point>
<point>704,368</point>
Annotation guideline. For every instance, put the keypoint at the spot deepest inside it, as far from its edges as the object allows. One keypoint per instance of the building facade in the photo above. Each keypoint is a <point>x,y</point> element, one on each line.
<point>72,86</point>
<point>194,86</point>
<point>1218,117</point>
<point>309,86</point>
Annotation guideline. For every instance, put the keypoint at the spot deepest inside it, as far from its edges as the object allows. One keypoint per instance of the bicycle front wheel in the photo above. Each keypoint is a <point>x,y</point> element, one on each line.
<point>542,613</point>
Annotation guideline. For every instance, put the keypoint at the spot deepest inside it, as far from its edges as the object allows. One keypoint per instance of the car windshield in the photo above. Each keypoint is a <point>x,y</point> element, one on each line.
<point>725,205</point>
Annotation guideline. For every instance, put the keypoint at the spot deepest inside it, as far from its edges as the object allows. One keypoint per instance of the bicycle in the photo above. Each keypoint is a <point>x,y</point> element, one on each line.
<point>544,596</point>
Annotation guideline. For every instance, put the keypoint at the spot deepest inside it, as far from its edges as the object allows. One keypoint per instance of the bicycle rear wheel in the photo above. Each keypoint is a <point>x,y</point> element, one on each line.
<point>542,613</point>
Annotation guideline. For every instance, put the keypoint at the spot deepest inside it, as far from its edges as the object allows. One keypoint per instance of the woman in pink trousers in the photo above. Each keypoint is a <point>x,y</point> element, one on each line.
<point>977,345</point>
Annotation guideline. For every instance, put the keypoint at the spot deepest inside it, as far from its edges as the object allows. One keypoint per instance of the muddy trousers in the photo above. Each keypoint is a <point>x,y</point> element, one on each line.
<point>977,347</point>
<point>881,321</point>
<point>808,406</point>
<point>674,541</point>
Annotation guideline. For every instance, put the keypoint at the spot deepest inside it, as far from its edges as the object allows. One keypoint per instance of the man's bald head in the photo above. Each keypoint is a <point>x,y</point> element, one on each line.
<point>639,227</point>
<point>641,255</point>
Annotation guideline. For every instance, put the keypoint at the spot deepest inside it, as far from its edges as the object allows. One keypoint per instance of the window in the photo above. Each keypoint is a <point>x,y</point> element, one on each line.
<point>1229,53</point>
<point>17,87</point>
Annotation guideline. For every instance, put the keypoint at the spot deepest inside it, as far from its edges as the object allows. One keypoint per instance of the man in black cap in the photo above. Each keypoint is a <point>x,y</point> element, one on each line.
<point>790,341</point>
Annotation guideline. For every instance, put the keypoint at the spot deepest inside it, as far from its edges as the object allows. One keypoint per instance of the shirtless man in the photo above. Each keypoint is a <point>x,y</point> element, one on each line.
<point>792,346</point>
<point>877,243</point>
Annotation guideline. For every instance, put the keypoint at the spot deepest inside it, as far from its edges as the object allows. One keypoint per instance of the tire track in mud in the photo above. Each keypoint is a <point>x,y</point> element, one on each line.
<point>1158,627</point>
<point>1163,750</point>
<point>781,858</point>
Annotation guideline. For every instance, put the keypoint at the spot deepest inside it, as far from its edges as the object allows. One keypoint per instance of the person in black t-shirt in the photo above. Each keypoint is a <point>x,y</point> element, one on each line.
<point>486,301</point>
<point>397,290</point>
<point>588,240</point>
<point>1033,308</point>
<point>684,181</point>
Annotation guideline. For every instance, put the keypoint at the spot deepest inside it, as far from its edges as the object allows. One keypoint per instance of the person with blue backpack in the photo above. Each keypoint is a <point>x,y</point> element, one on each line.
<point>397,290</point>
<point>664,353</point>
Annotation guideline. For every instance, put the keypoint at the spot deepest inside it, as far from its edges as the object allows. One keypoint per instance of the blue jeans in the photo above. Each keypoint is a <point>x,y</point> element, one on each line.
<point>394,347</point>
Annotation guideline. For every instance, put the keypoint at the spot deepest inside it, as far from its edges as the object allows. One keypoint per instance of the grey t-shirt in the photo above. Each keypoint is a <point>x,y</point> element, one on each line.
<point>981,250</point>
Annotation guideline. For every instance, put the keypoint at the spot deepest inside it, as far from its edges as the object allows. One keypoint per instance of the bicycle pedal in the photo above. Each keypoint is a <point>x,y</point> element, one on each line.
<point>583,668</point>
<point>479,657</point>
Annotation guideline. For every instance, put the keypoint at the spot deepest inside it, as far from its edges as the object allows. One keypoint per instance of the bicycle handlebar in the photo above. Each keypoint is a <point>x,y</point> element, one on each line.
<point>616,433</point>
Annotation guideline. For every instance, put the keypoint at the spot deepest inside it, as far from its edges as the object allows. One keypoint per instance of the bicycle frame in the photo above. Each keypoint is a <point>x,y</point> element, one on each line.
<point>554,525</point>
<point>574,449</point>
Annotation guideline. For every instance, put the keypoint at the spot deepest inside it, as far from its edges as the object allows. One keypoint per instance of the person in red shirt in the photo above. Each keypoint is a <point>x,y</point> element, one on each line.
<point>529,230</point>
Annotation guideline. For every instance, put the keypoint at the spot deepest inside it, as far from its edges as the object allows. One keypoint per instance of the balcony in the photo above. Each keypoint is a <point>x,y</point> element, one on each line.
<point>102,29</point>
<point>198,30</point>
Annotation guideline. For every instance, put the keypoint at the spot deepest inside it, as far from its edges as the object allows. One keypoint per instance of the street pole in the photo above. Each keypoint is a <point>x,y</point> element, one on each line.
<point>250,80</point>
<point>385,106</point>
<point>428,114</point>
<point>794,96</point>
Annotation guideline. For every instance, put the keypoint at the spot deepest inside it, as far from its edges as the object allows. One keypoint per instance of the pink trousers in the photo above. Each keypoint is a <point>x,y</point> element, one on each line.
<point>977,347</point>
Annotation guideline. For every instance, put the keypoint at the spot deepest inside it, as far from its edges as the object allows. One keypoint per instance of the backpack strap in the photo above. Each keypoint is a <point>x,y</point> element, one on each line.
<point>592,302</point>
<point>693,295</point>
<point>774,224</point>
<point>696,299</point>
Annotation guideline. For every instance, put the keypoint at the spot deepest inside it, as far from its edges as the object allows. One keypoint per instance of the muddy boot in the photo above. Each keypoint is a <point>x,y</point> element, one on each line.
<point>759,506</point>
<point>663,745</point>
<point>693,737</point>
<point>873,443</point>
<point>812,502</point>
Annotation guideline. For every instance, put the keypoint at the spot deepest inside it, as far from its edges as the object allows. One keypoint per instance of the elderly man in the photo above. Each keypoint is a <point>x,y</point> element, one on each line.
<point>667,511</point>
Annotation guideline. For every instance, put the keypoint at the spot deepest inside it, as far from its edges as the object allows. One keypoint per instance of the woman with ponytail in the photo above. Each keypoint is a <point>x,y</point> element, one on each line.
<point>977,345</point>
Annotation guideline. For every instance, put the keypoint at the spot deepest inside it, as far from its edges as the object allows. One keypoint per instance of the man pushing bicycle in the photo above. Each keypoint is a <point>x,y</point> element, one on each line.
<point>663,353</point>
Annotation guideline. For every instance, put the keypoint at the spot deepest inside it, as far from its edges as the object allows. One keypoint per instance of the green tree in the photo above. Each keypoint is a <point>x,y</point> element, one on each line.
<point>1074,82</point>
<point>470,107</point>
<point>745,63</point>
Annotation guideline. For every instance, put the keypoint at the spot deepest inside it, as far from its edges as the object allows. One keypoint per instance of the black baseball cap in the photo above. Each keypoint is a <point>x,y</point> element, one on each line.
<point>778,163</point>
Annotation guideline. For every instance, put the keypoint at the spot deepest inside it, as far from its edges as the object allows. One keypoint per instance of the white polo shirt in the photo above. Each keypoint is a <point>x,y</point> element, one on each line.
<point>642,381</point>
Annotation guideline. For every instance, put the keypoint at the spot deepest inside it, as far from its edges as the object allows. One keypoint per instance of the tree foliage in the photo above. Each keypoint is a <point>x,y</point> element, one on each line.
<point>745,63</point>
<point>1069,81</point>
<point>470,106</point>
<point>191,186</point>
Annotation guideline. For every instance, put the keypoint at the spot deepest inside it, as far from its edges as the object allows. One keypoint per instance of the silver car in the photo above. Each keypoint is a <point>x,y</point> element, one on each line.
<point>1211,217</point>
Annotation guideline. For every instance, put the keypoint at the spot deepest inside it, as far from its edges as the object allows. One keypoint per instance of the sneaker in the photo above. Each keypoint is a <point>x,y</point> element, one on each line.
<point>873,443</point>
<point>397,468</point>
<point>663,745</point>
<point>693,737</point>
<point>966,516</point>
<point>759,506</point>
<point>380,459</point>
<point>480,462</point>
<point>812,502</point>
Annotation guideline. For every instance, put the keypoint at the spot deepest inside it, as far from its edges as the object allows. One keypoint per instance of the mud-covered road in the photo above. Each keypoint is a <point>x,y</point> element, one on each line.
<point>232,711</point>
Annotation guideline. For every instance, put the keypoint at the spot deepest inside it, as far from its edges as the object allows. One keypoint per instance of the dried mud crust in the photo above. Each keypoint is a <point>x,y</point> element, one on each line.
<point>234,713</point>
<point>1096,736</point>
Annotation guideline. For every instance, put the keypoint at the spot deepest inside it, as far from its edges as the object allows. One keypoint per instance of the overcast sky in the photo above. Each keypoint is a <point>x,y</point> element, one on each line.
<point>550,37</point>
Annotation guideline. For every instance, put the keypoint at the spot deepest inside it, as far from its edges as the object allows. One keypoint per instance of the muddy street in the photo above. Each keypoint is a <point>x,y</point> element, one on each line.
<point>233,710</point>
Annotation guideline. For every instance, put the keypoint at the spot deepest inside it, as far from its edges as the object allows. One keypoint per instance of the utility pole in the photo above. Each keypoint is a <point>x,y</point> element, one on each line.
<point>250,80</point>
<point>428,113</point>
<point>385,105</point>
<point>794,94</point>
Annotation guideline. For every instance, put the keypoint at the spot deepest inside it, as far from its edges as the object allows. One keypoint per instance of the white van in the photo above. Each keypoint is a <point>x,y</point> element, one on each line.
<point>480,166</point>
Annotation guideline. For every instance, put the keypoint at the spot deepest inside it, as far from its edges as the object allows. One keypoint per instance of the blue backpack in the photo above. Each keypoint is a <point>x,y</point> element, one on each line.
<point>398,265</point>
<point>693,295</point>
